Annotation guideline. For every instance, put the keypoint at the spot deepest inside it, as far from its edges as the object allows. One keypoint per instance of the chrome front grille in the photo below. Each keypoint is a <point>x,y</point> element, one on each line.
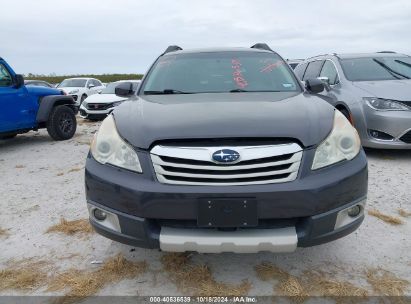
<point>265,164</point>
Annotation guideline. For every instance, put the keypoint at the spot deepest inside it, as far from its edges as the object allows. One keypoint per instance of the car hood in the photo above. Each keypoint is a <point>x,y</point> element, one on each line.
<point>42,91</point>
<point>389,89</point>
<point>103,98</point>
<point>304,117</point>
<point>69,89</point>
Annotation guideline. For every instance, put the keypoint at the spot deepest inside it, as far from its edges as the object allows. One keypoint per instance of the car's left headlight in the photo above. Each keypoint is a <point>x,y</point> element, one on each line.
<point>385,104</point>
<point>108,147</point>
<point>74,91</point>
<point>115,104</point>
<point>343,143</point>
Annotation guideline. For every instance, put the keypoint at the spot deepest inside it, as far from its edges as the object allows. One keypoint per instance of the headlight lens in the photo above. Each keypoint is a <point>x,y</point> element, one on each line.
<point>343,143</point>
<point>385,104</point>
<point>74,91</point>
<point>115,104</point>
<point>109,148</point>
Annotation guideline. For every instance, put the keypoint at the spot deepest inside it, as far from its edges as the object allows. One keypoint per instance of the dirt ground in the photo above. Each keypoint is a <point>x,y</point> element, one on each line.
<point>42,181</point>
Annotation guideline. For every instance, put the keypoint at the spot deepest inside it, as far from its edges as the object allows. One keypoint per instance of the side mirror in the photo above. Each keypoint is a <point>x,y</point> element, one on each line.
<point>314,85</point>
<point>326,82</point>
<point>324,79</point>
<point>90,86</point>
<point>124,89</point>
<point>18,81</point>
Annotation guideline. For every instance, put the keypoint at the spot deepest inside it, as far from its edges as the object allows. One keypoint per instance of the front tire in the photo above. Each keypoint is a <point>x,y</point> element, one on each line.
<point>62,123</point>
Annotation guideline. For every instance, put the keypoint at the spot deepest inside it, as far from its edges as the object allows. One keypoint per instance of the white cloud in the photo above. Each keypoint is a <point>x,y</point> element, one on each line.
<point>74,36</point>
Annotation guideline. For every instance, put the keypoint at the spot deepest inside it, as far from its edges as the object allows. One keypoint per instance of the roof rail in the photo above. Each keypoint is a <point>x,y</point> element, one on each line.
<point>387,52</point>
<point>320,55</point>
<point>172,48</point>
<point>262,46</point>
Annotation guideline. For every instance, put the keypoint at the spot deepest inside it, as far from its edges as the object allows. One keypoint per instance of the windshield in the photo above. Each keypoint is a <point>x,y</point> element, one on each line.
<point>73,83</point>
<point>377,68</point>
<point>220,72</point>
<point>111,87</point>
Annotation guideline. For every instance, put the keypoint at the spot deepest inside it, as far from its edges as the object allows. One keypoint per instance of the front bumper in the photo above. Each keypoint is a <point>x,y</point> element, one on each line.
<point>86,113</point>
<point>146,208</point>
<point>397,124</point>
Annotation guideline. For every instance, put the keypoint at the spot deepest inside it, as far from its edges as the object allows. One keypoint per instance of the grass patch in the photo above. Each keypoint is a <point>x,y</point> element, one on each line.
<point>4,232</point>
<point>404,213</point>
<point>75,170</point>
<point>82,284</point>
<point>386,218</point>
<point>102,78</point>
<point>288,285</point>
<point>386,283</point>
<point>198,279</point>
<point>23,275</point>
<point>308,284</point>
<point>319,284</point>
<point>81,226</point>
<point>267,271</point>
<point>84,141</point>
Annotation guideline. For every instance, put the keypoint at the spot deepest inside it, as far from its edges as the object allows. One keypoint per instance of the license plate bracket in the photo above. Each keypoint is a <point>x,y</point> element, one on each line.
<point>227,213</point>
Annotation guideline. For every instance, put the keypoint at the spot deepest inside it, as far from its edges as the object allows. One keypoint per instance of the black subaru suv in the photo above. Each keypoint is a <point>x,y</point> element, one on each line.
<point>224,150</point>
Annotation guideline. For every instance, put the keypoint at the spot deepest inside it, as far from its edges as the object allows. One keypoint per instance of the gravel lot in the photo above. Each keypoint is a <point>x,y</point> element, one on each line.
<point>42,181</point>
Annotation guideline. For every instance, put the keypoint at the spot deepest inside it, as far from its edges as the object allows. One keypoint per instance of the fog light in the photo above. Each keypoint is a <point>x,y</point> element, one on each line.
<point>354,211</point>
<point>380,135</point>
<point>99,214</point>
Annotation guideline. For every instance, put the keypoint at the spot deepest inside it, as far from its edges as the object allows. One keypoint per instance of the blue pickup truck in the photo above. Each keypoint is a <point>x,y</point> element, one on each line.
<point>23,109</point>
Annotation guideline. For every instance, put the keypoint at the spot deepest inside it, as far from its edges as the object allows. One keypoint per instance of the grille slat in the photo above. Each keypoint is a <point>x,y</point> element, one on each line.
<point>208,165</point>
<point>406,137</point>
<point>98,106</point>
<point>257,165</point>
<point>223,174</point>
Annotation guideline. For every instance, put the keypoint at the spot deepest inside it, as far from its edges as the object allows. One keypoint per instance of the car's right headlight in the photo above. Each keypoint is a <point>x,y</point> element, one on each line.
<point>74,91</point>
<point>385,104</point>
<point>108,147</point>
<point>343,143</point>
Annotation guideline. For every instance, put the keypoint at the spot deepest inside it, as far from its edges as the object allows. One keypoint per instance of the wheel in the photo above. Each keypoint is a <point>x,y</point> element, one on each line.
<point>83,97</point>
<point>346,114</point>
<point>62,123</point>
<point>9,136</point>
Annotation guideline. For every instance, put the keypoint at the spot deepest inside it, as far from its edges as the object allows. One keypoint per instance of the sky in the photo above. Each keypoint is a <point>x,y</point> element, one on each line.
<point>125,36</point>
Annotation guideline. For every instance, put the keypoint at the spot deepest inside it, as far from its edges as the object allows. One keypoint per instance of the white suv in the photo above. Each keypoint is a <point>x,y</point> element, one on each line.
<point>100,105</point>
<point>81,88</point>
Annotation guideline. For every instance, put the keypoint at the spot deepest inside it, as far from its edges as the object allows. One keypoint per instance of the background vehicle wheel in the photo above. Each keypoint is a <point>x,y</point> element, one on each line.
<point>10,136</point>
<point>62,123</point>
<point>83,97</point>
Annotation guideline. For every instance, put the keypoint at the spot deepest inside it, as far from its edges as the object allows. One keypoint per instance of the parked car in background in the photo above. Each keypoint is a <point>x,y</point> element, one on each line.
<point>372,90</point>
<point>98,106</point>
<point>38,83</point>
<point>81,88</point>
<point>225,150</point>
<point>26,108</point>
<point>294,62</point>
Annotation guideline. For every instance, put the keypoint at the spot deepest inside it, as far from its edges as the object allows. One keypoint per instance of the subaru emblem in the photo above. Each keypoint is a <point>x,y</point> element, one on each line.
<point>225,156</point>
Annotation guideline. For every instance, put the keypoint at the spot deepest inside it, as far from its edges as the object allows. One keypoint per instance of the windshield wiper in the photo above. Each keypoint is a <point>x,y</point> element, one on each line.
<point>257,91</point>
<point>166,91</point>
<point>238,91</point>
<point>403,63</point>
<point>391,71</point>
